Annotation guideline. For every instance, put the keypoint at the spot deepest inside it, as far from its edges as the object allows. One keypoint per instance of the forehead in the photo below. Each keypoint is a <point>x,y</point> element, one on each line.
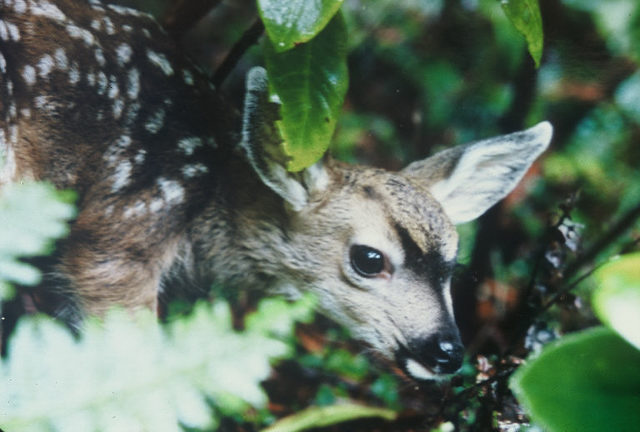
<point>411,211</point>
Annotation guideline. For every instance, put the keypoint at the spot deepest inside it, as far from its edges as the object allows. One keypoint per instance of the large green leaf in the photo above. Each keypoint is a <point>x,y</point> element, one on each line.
<point>617,299</point>
<point>525,17</point>
<point>310,82</point>
<point>586,382</point>
<point>292,22</point>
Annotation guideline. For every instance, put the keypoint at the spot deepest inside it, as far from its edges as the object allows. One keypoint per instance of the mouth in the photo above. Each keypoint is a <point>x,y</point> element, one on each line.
<point>416,369</point>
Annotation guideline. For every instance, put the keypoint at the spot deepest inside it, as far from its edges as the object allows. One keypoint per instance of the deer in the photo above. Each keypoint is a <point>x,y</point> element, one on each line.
<point>175,190</point>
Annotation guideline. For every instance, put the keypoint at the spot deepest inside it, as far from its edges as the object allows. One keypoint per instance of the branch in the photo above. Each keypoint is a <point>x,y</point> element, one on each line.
<point>184,14</point>
<point>249,37</point>
<point>616,231</point>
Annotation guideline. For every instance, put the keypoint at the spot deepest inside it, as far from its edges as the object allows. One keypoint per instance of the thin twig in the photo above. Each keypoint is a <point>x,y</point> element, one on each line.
<point>249,37</point>
<point>184,14</point>
<point>617,230</point>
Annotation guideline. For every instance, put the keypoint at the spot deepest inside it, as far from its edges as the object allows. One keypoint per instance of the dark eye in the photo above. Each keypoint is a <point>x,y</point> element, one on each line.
<point>366,261</point>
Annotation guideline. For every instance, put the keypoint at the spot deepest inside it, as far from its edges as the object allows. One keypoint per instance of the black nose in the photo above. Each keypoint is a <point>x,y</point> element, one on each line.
<point>441,353</point>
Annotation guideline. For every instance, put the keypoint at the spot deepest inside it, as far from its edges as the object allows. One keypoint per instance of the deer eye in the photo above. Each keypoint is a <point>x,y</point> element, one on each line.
<point>366,261</point>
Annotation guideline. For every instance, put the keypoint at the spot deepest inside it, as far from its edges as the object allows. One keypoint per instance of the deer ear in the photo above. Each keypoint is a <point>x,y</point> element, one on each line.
<point>262,143</point>
<point>468,180</point>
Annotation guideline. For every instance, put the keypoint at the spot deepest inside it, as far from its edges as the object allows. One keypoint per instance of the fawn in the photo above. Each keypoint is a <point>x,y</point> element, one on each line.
<point>174,192</point>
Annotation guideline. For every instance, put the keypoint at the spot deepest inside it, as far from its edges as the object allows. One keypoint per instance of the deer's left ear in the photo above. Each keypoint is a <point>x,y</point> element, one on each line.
<point>468,180</point>
<point>261,142</point>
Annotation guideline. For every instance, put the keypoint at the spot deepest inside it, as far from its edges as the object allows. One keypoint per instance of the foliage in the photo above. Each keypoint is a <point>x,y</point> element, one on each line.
<point>32,216</point>
<point>525,16</point>
<point>305,55</point>
<point>591,381</point>
<point>135,375</point>
<point>315,417</point>
<point>310,82</point>
<point>291,23</point>
<point>617,299</point>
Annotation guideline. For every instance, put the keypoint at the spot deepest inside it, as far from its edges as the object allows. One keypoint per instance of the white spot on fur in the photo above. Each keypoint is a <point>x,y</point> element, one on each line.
<point>40,101</point>
<point>91,79</point>
<point>13,110</point>
<point>122,10</point>
<point>114,153</point>
<point>25,112</point>
<point>3,64</point>
<point>74,73</point>
<point>155,121</point>
<point>13,134</point>
<point>189,145</point>
<point>161,61</point>
<point>140,156</point>
<point>114,90</point>
<point>118,107</point>
<point>62,62</point>
<point>29,74</point>
<point>172,191</point>
<point>80,33</point>
<point>45,66</point>
<point>4,32</point>
<point>99,55</point>
<point>127,28</point>
<point>103,83</point>
<point>108,26</point>
<point>7,160</point>
<point>121,175</point>
<point>132,114</point>
<point>188,77</point>
<point>156,205</point>
<point>192,170</point>
<point>48,10</point>
<point>138,209</point>
<point>124,53</point>
<point>9,31</point>
<point>95,24</point>
<point>19,6</point>
<point>133,83</point>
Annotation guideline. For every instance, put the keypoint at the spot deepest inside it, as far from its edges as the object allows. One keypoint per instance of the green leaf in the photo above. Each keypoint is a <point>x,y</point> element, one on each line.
<point>292,22</point>
<point>316,417</point>
<point>525,17</point>
<point>126,374</point>
<point>586,382</point>
<point>309,82</point>
<point>616,301</point>
<point>32,216</point>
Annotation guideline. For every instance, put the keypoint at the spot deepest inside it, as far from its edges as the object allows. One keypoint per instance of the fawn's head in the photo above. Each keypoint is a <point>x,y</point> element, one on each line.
<point>378,248</point>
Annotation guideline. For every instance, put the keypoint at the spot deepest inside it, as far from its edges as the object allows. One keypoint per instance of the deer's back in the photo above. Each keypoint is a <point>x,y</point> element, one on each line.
<point>97,98</point>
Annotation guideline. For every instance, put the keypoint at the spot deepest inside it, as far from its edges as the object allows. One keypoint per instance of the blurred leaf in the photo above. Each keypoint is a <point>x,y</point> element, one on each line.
<point>277,315</point>
<point>315,417</point>
<point>585,382</point>
<point>386,388</point>
<point>32,216</point>
<point>310,82</point>
<point>617,299</point>
<point>525,17</point>
<point>291,22</point>
<point>349,365</point>
<point>126,374</point>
